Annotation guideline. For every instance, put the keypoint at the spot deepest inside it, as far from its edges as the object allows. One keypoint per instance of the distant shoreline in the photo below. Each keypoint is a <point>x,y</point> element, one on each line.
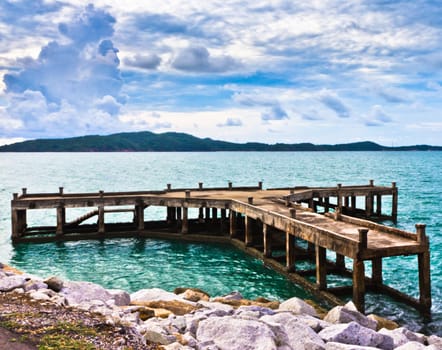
<point>146,141</point>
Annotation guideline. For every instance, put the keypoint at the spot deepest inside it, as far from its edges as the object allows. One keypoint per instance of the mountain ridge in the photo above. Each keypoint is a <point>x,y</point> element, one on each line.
<point>146,141</point>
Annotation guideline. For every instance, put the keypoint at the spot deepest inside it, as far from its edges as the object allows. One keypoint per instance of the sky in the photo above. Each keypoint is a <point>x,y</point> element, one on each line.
<point>273,71</point>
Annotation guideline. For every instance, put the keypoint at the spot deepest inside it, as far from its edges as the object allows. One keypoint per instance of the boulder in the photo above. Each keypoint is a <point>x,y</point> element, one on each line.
<point>79,292</point>
<point>38,295</point>
<point>181,290</point>
<point>157,334</point>
<point>236,334</point>
<point>297,306</point>
<point>296,334</point>
<point>195,296</point>
<point>121,297</point>
<point>435,340</point>
<point>351,333</point>
<point>412,345</point>
<point>10,283</point>
<point>55,283</point>
<point>232,296</point>
<point>383,322</point>
<point>153,294</point>
<point>340,346</point>
<point>401,336</point>
<point>177,307</point>
<point>224,308</point>
<point>344,314</point>
<point>34,285</point>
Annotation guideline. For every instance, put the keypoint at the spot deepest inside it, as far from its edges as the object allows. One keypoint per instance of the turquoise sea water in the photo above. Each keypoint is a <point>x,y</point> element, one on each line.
<point>133,264</point>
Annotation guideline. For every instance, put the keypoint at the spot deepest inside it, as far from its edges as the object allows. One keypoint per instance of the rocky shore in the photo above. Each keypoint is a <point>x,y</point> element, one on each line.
<point>191,319</point>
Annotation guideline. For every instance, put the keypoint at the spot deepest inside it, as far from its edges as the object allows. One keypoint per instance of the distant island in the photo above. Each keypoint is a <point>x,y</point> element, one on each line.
<point>146,141</point>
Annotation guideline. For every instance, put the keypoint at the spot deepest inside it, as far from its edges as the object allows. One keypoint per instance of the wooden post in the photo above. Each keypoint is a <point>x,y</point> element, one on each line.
<point>371,183</point>
<point>359,284</point>
<point>201,214</point>
<point>376,271</point>
<point>321,267</point>
<point>394,203</point>
<point>379,205</point>
<point>169,187</point>
<point>248,239</point>
<point>353,202</point>
<point>347,201</point>
<point>250,200</point>
<point>230,185</point>
<point>326,204</point>
<point>340,261</point>
<point>223,220</point>
<point>339,198</point>
<point>260,185</point>
<point>178,216</point>
<point>18,222</point>
<point>61,219</point>
<point>232,218</point>
<point>424,272</point>
<point>101,227</point>
<point>185,221</point>
<point>139,214</point>
<point>207,214</point>
<point>200,186</point>
<point>290,252</point>
<point>369,205</point>
<point>214,215</point>
<point>363,239</point>
<point>267,240</point>
<point>60,191</point>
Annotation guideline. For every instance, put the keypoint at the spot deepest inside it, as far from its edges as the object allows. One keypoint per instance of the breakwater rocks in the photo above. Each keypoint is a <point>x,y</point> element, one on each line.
<point>190,319</point>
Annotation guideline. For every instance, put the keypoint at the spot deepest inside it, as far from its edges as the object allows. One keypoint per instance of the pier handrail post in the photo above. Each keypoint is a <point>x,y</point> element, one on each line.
<point>420,232</point>
<point>371,183</point>
<point>363,241</point>
<point>230,184</point>
<point>15,196</point>
<point>60,191</point>
<point>250,200</point>
<point>260,185</point>
<point>169,187</point>
<point>200,185</point>
<point>292,213</point>
<point>24,190</point>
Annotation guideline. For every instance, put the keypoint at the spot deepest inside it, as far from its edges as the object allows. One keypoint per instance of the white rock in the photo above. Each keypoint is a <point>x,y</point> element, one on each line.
<point>259,310</point>
<point>10,283</point>
<point>412,345</point>
<point>155,294</point>
<point>233,296</point>
<point>435,340</point>
<point>78,292</point>
<point>34,285</point>
<point>37,295</point>
<point>176,346</point>
<point>220,308</point>
<point>351,333</point>
<point>236,334</point>
<point>121,297</point>
<point>401,336</point>
<point>157,334</point>
<point>298,306</point>
<point>297,334</point>
<point>340,314</point>
<point>340,346</point>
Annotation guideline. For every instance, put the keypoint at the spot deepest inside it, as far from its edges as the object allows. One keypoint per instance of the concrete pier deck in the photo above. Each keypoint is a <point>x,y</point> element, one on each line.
<point>280,226</point>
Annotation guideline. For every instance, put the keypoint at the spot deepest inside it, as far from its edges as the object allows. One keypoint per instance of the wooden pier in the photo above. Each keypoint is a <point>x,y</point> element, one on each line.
<point>283,226</point>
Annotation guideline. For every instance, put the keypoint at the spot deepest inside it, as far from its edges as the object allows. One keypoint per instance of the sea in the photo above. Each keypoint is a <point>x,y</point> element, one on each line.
<point>133,264</point>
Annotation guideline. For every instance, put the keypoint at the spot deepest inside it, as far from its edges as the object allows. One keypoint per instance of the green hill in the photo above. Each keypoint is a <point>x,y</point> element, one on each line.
<point>146,141</point>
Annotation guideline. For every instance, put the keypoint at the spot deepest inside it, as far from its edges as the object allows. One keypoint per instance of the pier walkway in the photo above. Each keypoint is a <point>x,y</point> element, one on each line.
<point>284,227</point>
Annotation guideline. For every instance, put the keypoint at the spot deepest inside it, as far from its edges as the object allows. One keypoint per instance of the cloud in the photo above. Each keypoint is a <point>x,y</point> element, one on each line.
<point>377,117</point>
<point>275,113</point>
<point>311,116</point>
<point>80,77</point>
<point>150,61</point>
<point>198,59</point>
<point>161,23</point>
<point>335,104</point>
<point>230,122</point>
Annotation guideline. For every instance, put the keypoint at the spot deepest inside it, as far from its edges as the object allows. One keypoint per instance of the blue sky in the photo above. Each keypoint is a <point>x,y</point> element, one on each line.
<point>321,71</point>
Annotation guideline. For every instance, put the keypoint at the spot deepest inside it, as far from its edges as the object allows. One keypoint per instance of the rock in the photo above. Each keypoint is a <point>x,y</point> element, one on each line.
<point>207,345</point>
<point>195,296</point>
<point>10,283</point>
<point>246,302</point>
<point>314,323</point>
<point>296,334</point>
<point>178,307</point>
<point>258,310</point>
<point>412,345</point>
<point>402,336</point>
<point>156,334</point>
<point>121,297</point>
<point>176,346</point>
<point>340,346</point>
<point>224,308</point>
<point>342,314</point>
<point>37,295</point>
<point>181,290</point>
<point>144,313</point>
<point>351,333</point>
<point>236,334</point>
<point>383,322</point>
<point>55,283</point>
<point>34,285</point>
<point>232,296</point>
<point>79,292</point>
<point>298,306</point>
<point>434,340</point>
<point>153,294</point>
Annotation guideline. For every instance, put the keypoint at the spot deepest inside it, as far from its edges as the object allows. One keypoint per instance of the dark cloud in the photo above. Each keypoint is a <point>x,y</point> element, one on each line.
<point>230,122</point>
<point>198,59</point>
<point>150,61</point>
<point>276,113</point>
<point>335,104</point>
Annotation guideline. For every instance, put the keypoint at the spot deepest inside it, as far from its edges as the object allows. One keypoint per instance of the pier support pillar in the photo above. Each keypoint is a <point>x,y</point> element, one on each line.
<point>326,204</point>
<point>178,216</point>
<point>321,267</point>
<point>379,205</point>
<point>61,219</point>
<point>185,221</point>
<point>207,214</point>
<point>232,219</point>
<point>359,284</point>
<point>267,240</point>
<point>340,262</point>
<point>201,215</point>
<point>214,215</point>
<point>223,220</point>
<point>394,202</point>
<point>369,205</point>
<point>353,202</point>
<point>18,222</point>
<point>376,272</point>
<point>101,228</point>
<point>290,252</point>
<point>424,272</point>
<point>139,214</point>
<point>248,239</point>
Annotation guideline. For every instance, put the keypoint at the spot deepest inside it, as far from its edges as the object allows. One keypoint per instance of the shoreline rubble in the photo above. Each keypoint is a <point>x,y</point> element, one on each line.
<point>191,319</point>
